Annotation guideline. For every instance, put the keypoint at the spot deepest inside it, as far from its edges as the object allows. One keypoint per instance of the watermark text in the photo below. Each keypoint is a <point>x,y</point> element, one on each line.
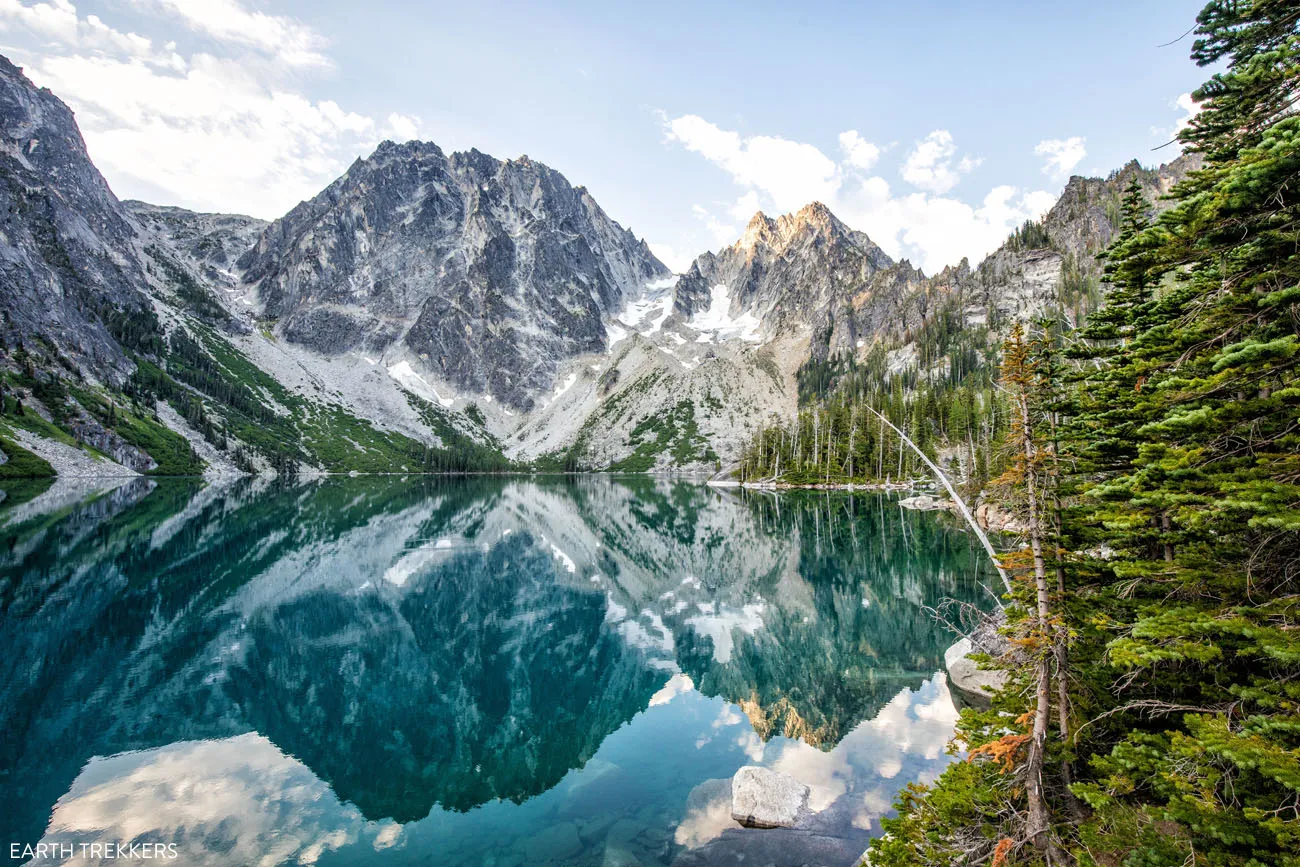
<point>93,851</point>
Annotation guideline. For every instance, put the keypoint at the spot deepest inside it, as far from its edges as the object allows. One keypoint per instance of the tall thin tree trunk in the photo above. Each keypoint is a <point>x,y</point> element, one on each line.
<point>956,498</point>
<point>1038,816</point>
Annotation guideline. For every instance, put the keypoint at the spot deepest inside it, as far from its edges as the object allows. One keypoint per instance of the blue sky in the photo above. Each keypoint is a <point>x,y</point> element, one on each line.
<point>934,126</point>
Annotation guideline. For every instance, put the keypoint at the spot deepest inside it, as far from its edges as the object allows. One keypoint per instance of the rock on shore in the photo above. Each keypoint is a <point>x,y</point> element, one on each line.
<point>967,681</point>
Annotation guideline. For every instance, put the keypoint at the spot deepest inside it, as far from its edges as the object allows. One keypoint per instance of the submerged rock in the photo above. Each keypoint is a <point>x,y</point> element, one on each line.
<point>763,798</point>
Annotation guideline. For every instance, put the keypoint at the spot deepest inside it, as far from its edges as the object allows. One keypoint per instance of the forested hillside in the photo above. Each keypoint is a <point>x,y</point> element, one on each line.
<point>933,371</point>
<point>1152,715</point>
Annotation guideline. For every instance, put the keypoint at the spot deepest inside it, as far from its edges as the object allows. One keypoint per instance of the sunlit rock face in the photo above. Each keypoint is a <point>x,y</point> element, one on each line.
<point>792,273</point>
<point>473,660</point>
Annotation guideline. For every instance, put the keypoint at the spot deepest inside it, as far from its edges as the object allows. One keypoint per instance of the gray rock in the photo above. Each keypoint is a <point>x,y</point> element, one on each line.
<point>969,683</point>
<point>795,273</point>
<point>492,271</point>
<point>925,503</point>
<point>764,798</point>
<point>556,843</point>
<point>68,256</point>
<point>88,431</point>
<point>995,519</point>
<point>210,242</point>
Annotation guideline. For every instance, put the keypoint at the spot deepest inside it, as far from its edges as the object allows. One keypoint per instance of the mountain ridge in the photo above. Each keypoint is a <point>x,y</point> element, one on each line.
<point>427,300</point>
<point>498,267</point>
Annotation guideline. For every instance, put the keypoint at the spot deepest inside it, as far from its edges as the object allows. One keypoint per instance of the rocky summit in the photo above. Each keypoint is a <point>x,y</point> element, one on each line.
<point>455,311</point>
<point>492,273</point>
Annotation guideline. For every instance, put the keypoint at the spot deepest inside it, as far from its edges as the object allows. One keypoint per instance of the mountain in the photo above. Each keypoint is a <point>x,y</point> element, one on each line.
<point>70,260</point>
<point>455,311</point>
<point>492,272</point>
<point>790,272</point>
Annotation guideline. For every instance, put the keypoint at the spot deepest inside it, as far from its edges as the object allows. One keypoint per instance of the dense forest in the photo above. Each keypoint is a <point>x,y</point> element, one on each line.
<point>1152,716</point>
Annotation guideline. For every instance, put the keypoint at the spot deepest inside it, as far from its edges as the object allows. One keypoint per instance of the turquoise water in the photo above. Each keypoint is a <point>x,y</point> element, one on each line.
<point>491,671</point>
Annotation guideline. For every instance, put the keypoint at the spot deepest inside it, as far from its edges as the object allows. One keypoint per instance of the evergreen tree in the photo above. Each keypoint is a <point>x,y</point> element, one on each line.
<point>1181,509</point>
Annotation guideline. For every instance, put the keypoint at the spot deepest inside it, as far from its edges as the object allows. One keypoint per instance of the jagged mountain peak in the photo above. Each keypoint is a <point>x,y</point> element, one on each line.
<point>813,223</point>
<point>760,229</point>
<point>788,272</point>
<point>817,214</point>
<point>486,275</point>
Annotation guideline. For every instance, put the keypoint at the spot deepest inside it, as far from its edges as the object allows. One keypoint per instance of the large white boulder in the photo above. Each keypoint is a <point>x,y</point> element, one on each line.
<point>764,798</point>
<point>969,683</point>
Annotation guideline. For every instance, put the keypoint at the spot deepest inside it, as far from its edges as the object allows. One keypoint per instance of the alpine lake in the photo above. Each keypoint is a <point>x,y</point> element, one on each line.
<point>466,670</point>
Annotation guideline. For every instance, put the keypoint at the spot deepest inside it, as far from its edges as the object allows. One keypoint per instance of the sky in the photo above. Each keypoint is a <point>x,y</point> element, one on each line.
<point>935,127</point>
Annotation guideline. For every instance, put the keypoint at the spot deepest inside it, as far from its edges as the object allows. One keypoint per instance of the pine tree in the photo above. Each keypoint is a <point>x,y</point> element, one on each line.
<point>1202,604</point>
<point>1181,510</point>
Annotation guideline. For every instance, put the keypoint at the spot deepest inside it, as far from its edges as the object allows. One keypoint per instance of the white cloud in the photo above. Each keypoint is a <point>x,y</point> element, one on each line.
<point>1061,155</point>
<point>745,207</point>
<point>403,127</point>
<point>57,23</point>
<point>677,261</point>
<point>931,230</point>
<point>788,172</point>
<point>227,131</point>
<point>858,152</point>
<point>56,20</point>
<point>930,164</point>
<point>289,41</point>
<point>1190,109</point>
<point>722,234</point>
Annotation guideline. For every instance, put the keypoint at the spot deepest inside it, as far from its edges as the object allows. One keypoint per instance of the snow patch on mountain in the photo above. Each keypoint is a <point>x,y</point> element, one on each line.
<point>717,324</point>
<point>416,384</point>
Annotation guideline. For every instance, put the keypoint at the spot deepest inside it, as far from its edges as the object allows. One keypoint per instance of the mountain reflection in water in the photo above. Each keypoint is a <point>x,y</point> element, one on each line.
<point>482,670</point>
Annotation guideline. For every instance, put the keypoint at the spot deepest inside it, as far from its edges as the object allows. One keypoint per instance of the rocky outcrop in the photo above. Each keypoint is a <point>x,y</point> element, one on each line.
<point>764,798</point>
<point>492,272</point>
<point>997,519</point>
<point>68,255</point>
<point>926,503</point>
<point>972,682</point>
<point>88,431</point>
<point>210,244</point>
<point>968,680</point>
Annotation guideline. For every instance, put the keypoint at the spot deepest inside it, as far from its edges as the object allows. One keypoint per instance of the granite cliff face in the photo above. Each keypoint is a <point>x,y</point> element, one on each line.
<point>852,300</point>
<point>68,253</point>
<point>209,244</point>
<point>1019,282</point>
<point>493,273</point>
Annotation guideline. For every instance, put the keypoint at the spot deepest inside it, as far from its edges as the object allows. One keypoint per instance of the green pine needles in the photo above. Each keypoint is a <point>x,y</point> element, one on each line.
<point>1176,466</point>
